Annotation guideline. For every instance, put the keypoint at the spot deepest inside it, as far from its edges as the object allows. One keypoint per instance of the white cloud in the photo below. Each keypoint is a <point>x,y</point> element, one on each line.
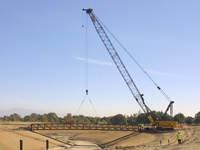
<point>95,61</point>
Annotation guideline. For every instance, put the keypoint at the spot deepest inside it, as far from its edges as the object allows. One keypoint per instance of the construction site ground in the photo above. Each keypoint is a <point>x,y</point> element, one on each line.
<point>12,132</point>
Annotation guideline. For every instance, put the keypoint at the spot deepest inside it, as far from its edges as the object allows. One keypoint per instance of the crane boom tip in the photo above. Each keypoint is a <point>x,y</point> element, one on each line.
<point>88,10</point>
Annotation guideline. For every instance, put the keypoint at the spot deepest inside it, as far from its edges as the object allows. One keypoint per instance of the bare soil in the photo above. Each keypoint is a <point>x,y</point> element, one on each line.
<point>11,133</point>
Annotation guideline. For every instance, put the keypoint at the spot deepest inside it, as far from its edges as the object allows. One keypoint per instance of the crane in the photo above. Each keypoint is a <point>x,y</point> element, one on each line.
<point>125,74</point>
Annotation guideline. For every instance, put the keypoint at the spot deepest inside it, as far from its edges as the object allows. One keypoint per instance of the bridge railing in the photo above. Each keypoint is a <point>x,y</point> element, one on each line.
<point>83,126</point>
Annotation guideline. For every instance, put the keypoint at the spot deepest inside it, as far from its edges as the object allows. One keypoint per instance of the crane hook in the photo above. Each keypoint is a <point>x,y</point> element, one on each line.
<point>86,92</point>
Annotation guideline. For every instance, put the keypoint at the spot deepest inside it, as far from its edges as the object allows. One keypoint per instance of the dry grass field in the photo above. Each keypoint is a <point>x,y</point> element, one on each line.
<point>11,133</point>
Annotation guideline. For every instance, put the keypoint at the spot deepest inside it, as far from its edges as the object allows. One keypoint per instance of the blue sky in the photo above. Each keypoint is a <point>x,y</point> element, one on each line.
<point>43,52</point>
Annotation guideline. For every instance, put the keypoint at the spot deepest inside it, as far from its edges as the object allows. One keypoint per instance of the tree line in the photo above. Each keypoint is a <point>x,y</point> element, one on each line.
<point>137,118</point>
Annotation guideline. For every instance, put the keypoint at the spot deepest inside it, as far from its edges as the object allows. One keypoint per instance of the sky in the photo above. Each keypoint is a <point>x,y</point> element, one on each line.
<point>43,49</point>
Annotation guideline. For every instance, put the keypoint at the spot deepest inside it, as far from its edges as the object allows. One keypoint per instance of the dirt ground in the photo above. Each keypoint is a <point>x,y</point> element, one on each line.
<point>11,133</point>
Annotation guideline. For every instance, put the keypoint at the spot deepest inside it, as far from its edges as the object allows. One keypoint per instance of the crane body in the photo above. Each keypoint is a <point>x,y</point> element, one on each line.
<point>125,74</point>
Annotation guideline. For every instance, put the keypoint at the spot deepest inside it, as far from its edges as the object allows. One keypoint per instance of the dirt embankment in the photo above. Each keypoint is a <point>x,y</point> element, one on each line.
<point>134,140</point>
<point>11,133</point>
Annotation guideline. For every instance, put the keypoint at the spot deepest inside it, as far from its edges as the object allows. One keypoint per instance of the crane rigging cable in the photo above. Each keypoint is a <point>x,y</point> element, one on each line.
<point>86,72</point>
<point>81,105</point>
<point>82,19</point>
<point>165,95</point>
<point>86,56</point>
<point>90,103</point>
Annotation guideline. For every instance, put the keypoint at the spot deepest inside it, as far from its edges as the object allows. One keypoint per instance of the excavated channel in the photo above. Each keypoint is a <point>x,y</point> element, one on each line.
<point>75,144</point>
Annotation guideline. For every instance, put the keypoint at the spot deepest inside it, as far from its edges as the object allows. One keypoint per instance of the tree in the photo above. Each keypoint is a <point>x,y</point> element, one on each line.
<point>108,120</point>
<point>28,119</point>
<point>6,118</point>
<point>79,120</point>
<point>66,119</point>
<point>94,121</point>
<point>44,118</point>
<point>73,120</point>
<point>188,120</point>
<point>51,119</point>
<point>87,120</point>
<point>132,119</point>
<point>60,120</point>
<point>35,116</point>
<point>69,115</point>
<point>118,119</point>
<point>98,119</point>
<point>52,115</point>
<point>15,117</point>
<point>179,117</point>
<point>197,117</point>
<point>142,119</point>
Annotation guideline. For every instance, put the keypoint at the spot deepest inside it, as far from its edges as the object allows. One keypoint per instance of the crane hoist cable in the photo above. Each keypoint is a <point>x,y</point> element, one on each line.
<point>86,66</point>
<point>165,95</point>
<point>86,55</point>
<point>82,19</point>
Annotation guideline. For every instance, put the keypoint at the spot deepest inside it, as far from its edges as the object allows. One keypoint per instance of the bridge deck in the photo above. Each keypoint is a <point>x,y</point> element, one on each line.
<point>76,126</point>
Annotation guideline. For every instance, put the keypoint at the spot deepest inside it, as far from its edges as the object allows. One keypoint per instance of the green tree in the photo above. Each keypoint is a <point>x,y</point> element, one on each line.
<point>87,120</point>
<point>168,117</point>
<point>79,120</point>
<point>35,116</point>
<point>159,115</point>
<point>179,117</point>
<point>67,119</point>
<point>108,120</point>
<point>39,117</point>
<point>60,120</point>
<point>52,115</point>
<point>44,118</point>
<point>51,119</point>
<point>142,119</point>
<point>6,118</point>
<point>98,119</point>
<point>197,117</point>
<point>28,119</point>
<point>132,119</point>
<point>118,119</point>
<point>188,120</point>
<point>69,115</point>
<point>94,120</point>
<point>15,117</point>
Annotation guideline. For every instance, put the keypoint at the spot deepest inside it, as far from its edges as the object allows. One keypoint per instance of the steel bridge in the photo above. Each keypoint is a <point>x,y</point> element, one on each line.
<point>83,126</point>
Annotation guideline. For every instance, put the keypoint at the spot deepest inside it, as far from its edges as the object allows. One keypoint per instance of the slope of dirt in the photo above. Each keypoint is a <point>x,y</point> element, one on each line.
<point>137,141</point>
<point>10,136</point>
<point>98,137</point>
<point>168,141</point>
<point>11,133</point>
<point>104,139</point>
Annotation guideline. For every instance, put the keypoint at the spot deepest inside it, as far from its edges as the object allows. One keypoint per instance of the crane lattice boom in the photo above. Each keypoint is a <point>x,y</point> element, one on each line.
<point>118,62</point>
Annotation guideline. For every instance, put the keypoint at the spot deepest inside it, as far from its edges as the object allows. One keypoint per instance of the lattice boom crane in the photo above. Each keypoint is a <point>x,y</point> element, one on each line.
<point>121,67</point>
